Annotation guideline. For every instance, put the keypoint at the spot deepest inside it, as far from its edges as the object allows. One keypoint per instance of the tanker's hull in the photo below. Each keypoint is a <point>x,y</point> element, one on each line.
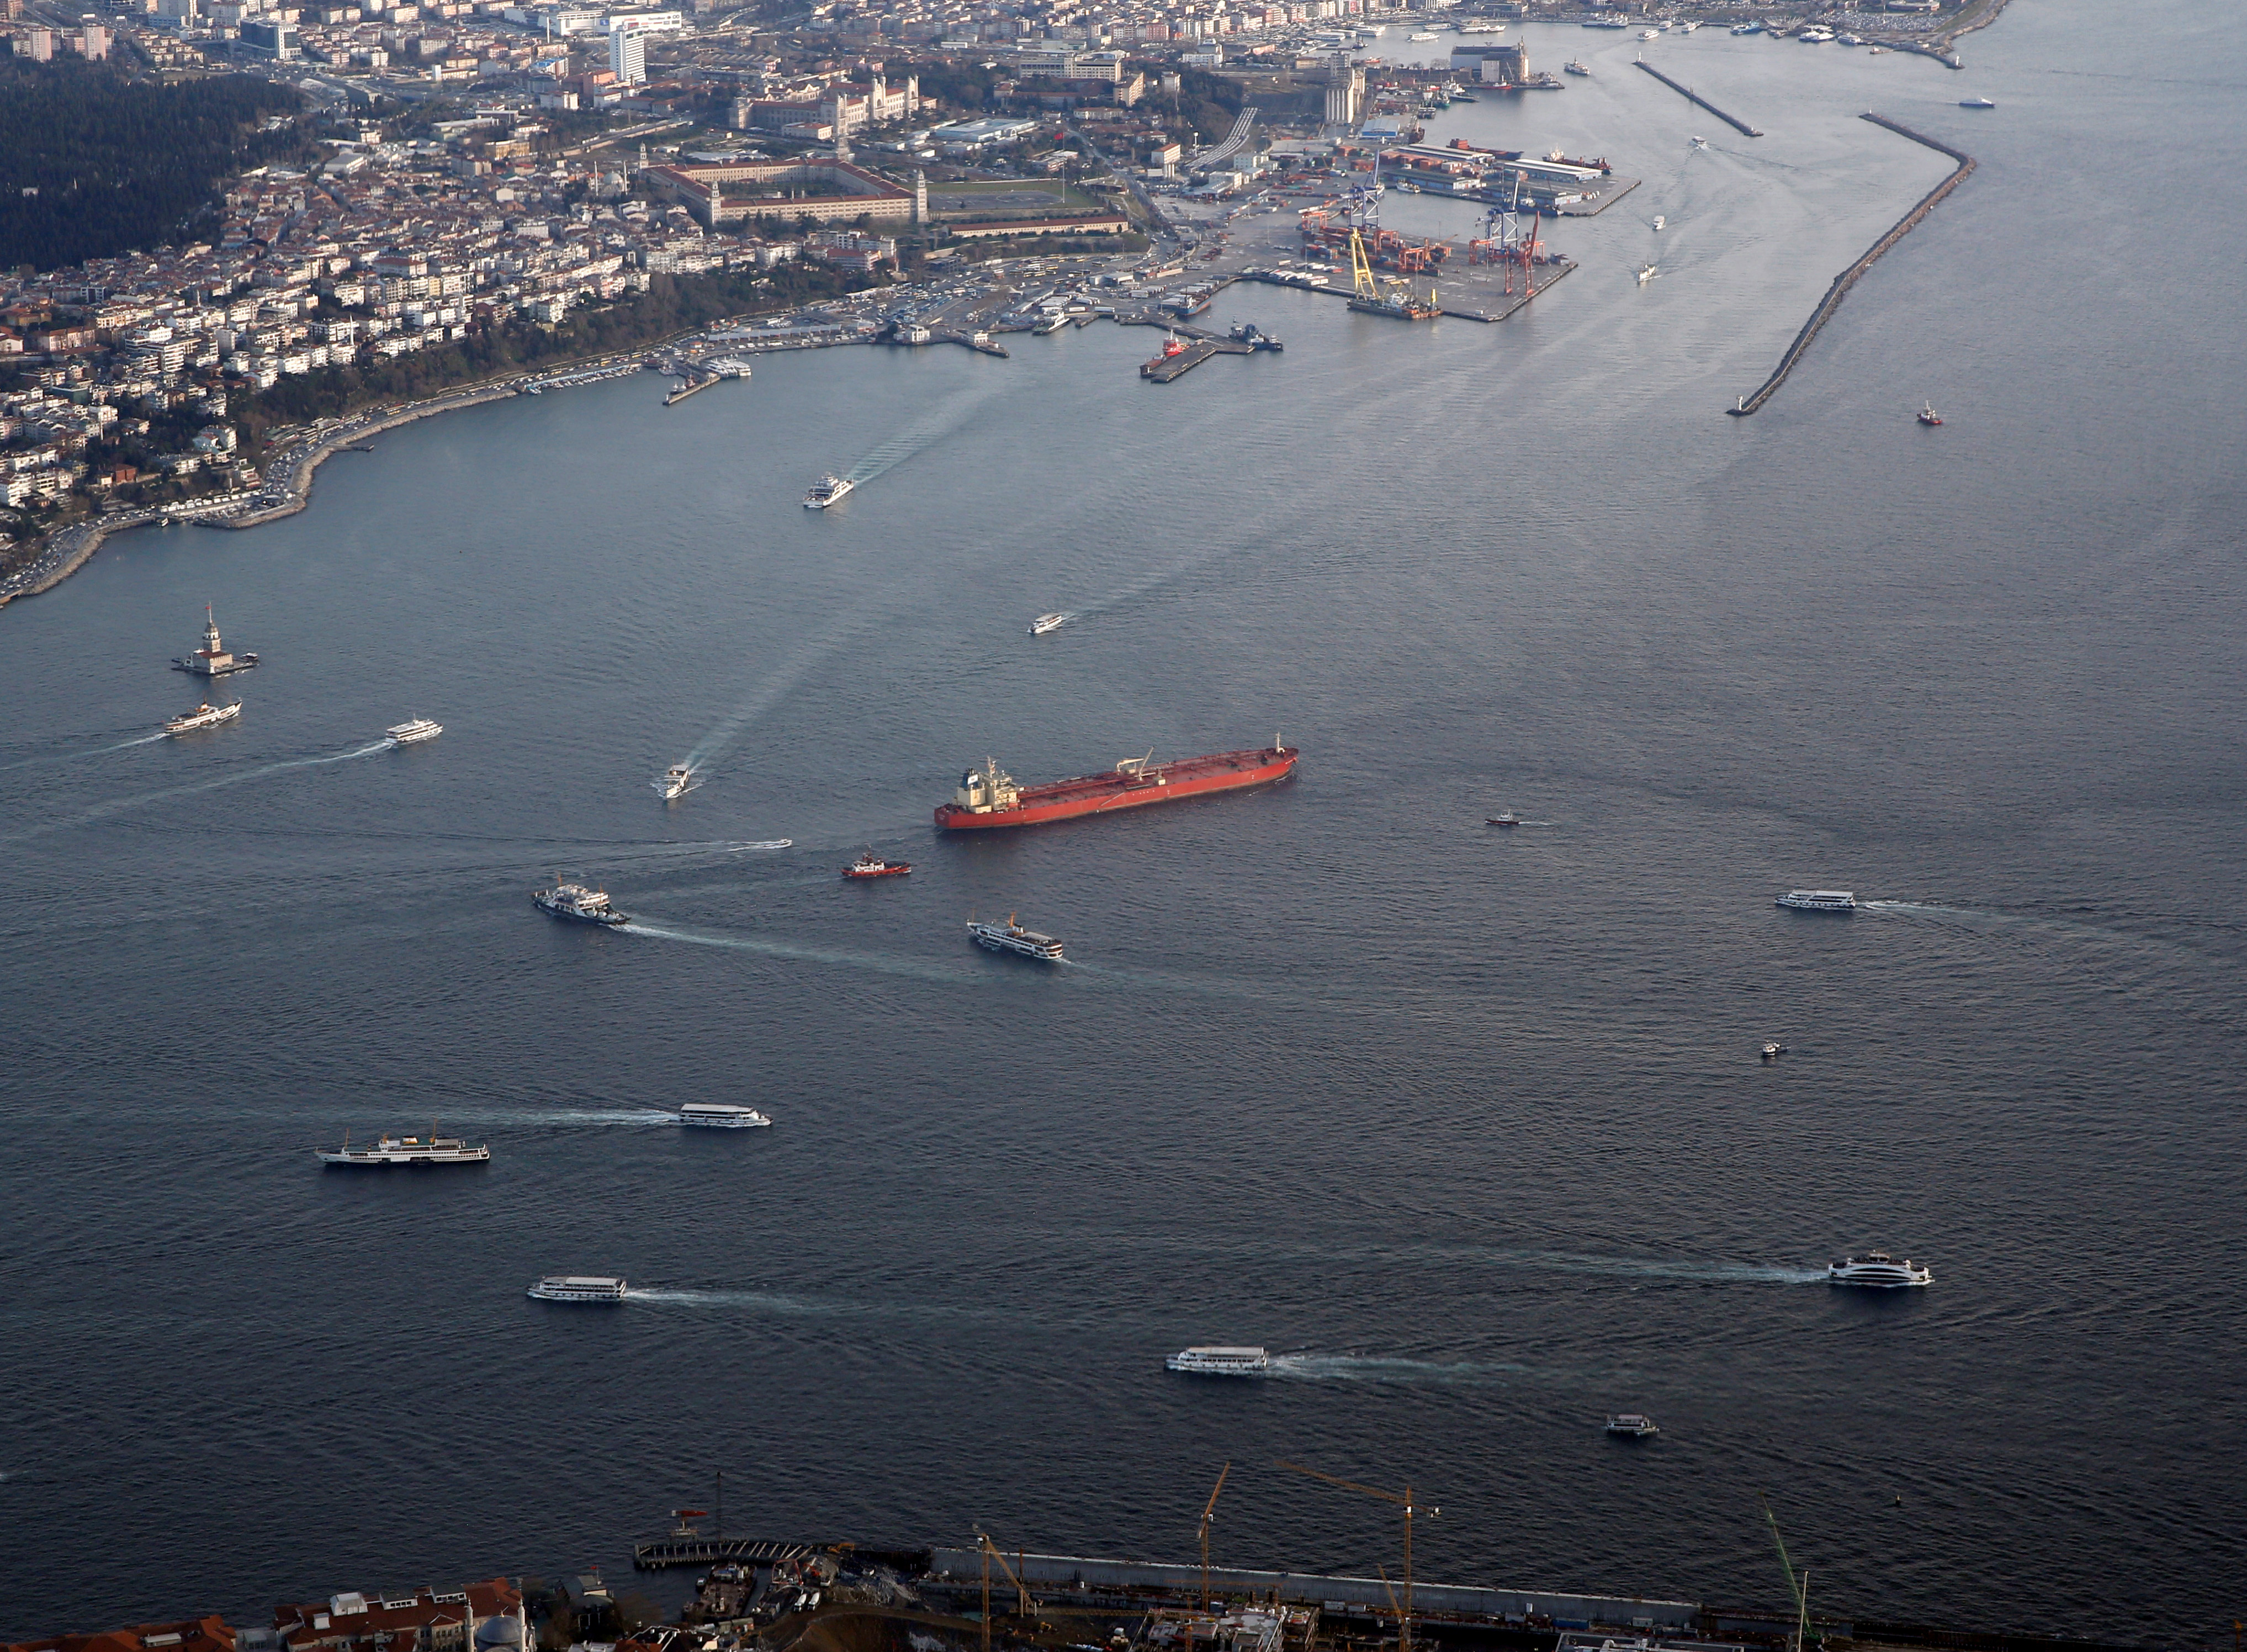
<point>1118,789</point>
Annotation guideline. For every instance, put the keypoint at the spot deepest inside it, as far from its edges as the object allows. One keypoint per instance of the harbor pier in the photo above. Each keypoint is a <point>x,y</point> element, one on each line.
<point>1693,97</point>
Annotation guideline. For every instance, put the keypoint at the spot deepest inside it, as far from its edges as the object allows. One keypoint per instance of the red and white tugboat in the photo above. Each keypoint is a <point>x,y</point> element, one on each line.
<point>871,865</point>
<point>1928,416</point>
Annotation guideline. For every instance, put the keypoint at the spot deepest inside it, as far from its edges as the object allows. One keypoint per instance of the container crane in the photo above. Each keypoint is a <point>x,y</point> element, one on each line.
<point>1403,1611</point>
<point>1207,1515</point>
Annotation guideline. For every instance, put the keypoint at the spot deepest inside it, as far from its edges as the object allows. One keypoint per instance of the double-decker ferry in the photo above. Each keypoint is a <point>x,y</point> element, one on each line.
<point>577,903</point>
<point>828,490</point>
<point>577,1287</point>
<point>1818,900</point>
<point>1220,1361</point>
<point>1011,936</point>
<point>1880,1270</point>
<point>413,731</point>
<point>720,1115</point>
<point>406,1149</point>
<point>203,716</point>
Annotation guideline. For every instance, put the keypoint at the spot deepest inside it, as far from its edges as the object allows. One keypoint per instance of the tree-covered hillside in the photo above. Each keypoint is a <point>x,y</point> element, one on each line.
<point>94,162</point>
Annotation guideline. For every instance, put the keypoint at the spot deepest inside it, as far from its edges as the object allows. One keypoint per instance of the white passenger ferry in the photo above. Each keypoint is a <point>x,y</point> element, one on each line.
<point>1819,900</point>
<point>1880,1270</point>
<point>1220,1361</point>
<point>577,903</point>
<point>718,1115</point>
<point>407,1150</point>
<point>578,1287</point>
<point>412,731</point>
<point>828,490</point>
<point>1011,936</point>
<point>203,716</point>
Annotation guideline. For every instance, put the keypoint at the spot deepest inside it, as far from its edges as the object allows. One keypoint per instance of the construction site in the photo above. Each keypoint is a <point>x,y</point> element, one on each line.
<point>757,1594</point>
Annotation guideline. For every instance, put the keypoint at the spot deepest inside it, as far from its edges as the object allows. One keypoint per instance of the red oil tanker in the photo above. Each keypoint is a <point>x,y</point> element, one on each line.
<point>989,798</point>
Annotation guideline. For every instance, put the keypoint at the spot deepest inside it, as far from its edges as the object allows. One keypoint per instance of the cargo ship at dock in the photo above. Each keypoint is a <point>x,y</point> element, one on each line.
<point>989,797</point>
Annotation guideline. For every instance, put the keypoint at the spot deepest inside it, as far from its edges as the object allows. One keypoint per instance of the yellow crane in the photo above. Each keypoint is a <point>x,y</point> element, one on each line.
<point>1404,1611</point>
<point>1207,1515</point>
<point>1022,1591</point>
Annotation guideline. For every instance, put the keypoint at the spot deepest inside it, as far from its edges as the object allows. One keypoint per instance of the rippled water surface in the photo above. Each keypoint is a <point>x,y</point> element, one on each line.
<point>1470,1124</point>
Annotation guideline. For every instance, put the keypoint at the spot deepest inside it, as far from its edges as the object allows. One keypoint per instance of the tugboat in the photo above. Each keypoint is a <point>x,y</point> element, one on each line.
<point>828,490</point>
<point>869,865</point>
<point>1928,415</point>
<point>1011,936</point>
<point>212,659</point>
<point>577,903</point>
<point>203,716</point>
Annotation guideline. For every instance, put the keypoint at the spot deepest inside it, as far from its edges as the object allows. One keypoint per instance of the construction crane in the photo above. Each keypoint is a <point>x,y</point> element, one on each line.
<point>1022,1591</point>
<point>1403,1611</point>
<point>1207,1515</point>
<point>1797,1588</point>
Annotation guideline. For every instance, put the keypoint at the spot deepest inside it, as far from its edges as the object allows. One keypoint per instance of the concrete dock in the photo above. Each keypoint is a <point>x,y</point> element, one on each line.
<point>1691,96</point>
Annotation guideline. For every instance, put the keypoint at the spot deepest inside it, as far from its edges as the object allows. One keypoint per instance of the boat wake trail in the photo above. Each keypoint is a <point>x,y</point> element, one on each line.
<point>947,416</point>
<point>905,967</point>
<point>121,805</point>
<point>778,684</point>
<point>1366,1368</point>
<point>1652,1269</point>
<point>793,1306</point>
<point>73,757</point>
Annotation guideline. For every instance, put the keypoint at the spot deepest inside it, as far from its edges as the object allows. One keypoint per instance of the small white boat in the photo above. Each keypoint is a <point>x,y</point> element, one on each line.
<point>578,1287</point>
<point>1634,1425</point>
<point>203,716</point>
<point>1818,900</point>
<point>1976,102</point>
<point>1688,28</point>
<point>1422,36</point>
<point>1772,1052</point>
<point>1045,623</point>
<point>676,781</point>
<point>1697,143</point>
<point>718,1115</point>
<point>1648,273</point>
<point>413,731</point>
<point>1220,1361</point>
<point>1649,34</point>
<point>1659,220</point>
<point>1879,1270</point>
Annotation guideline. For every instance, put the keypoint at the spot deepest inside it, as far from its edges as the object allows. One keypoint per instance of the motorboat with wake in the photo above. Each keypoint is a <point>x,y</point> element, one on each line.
<point>676,781</point>
<point>1879,1270</point>
<point>203,716</point>
<point>1649,274</point>
<point>1045,623</point>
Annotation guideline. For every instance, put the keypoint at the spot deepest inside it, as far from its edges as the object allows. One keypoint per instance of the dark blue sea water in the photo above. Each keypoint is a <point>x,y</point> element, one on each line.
<point>1471,1123</point>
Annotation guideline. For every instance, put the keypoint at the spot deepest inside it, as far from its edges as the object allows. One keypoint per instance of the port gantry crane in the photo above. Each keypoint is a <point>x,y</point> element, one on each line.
<point>1404,1611</point>
<point>1207,1515</point>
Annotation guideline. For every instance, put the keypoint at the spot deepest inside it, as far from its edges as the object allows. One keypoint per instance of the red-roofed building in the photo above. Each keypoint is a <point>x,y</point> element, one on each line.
<point>197,1635</point>
<point>423,1619</point>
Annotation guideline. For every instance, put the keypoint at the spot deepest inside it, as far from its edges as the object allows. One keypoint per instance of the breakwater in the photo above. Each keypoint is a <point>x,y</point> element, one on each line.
<point>1691,96</point>
<point>1849,277</point>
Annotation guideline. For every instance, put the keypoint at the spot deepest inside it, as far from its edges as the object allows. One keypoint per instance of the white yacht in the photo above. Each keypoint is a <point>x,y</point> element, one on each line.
<point>1648,273</point>
<point>1697,143</point>
<point>407,1150</point>
<point>676,780</point>
<point>718,1115</point>
<point>1011,936</point>
<point>1880,1270</point>
<point>828,490</point>
<point>578,904</point>
<point>1220,1361</point>
<point>1649,34</point>
<point>203,716</point>
<point>1818,900</point>
<point>1045,623</point>
<point>1632,1424</point>
<point>577,1287</point>
<point>1659,220</point>
<point>1976,102</point>
<point>412,731</point>
<point>1688,28</point>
